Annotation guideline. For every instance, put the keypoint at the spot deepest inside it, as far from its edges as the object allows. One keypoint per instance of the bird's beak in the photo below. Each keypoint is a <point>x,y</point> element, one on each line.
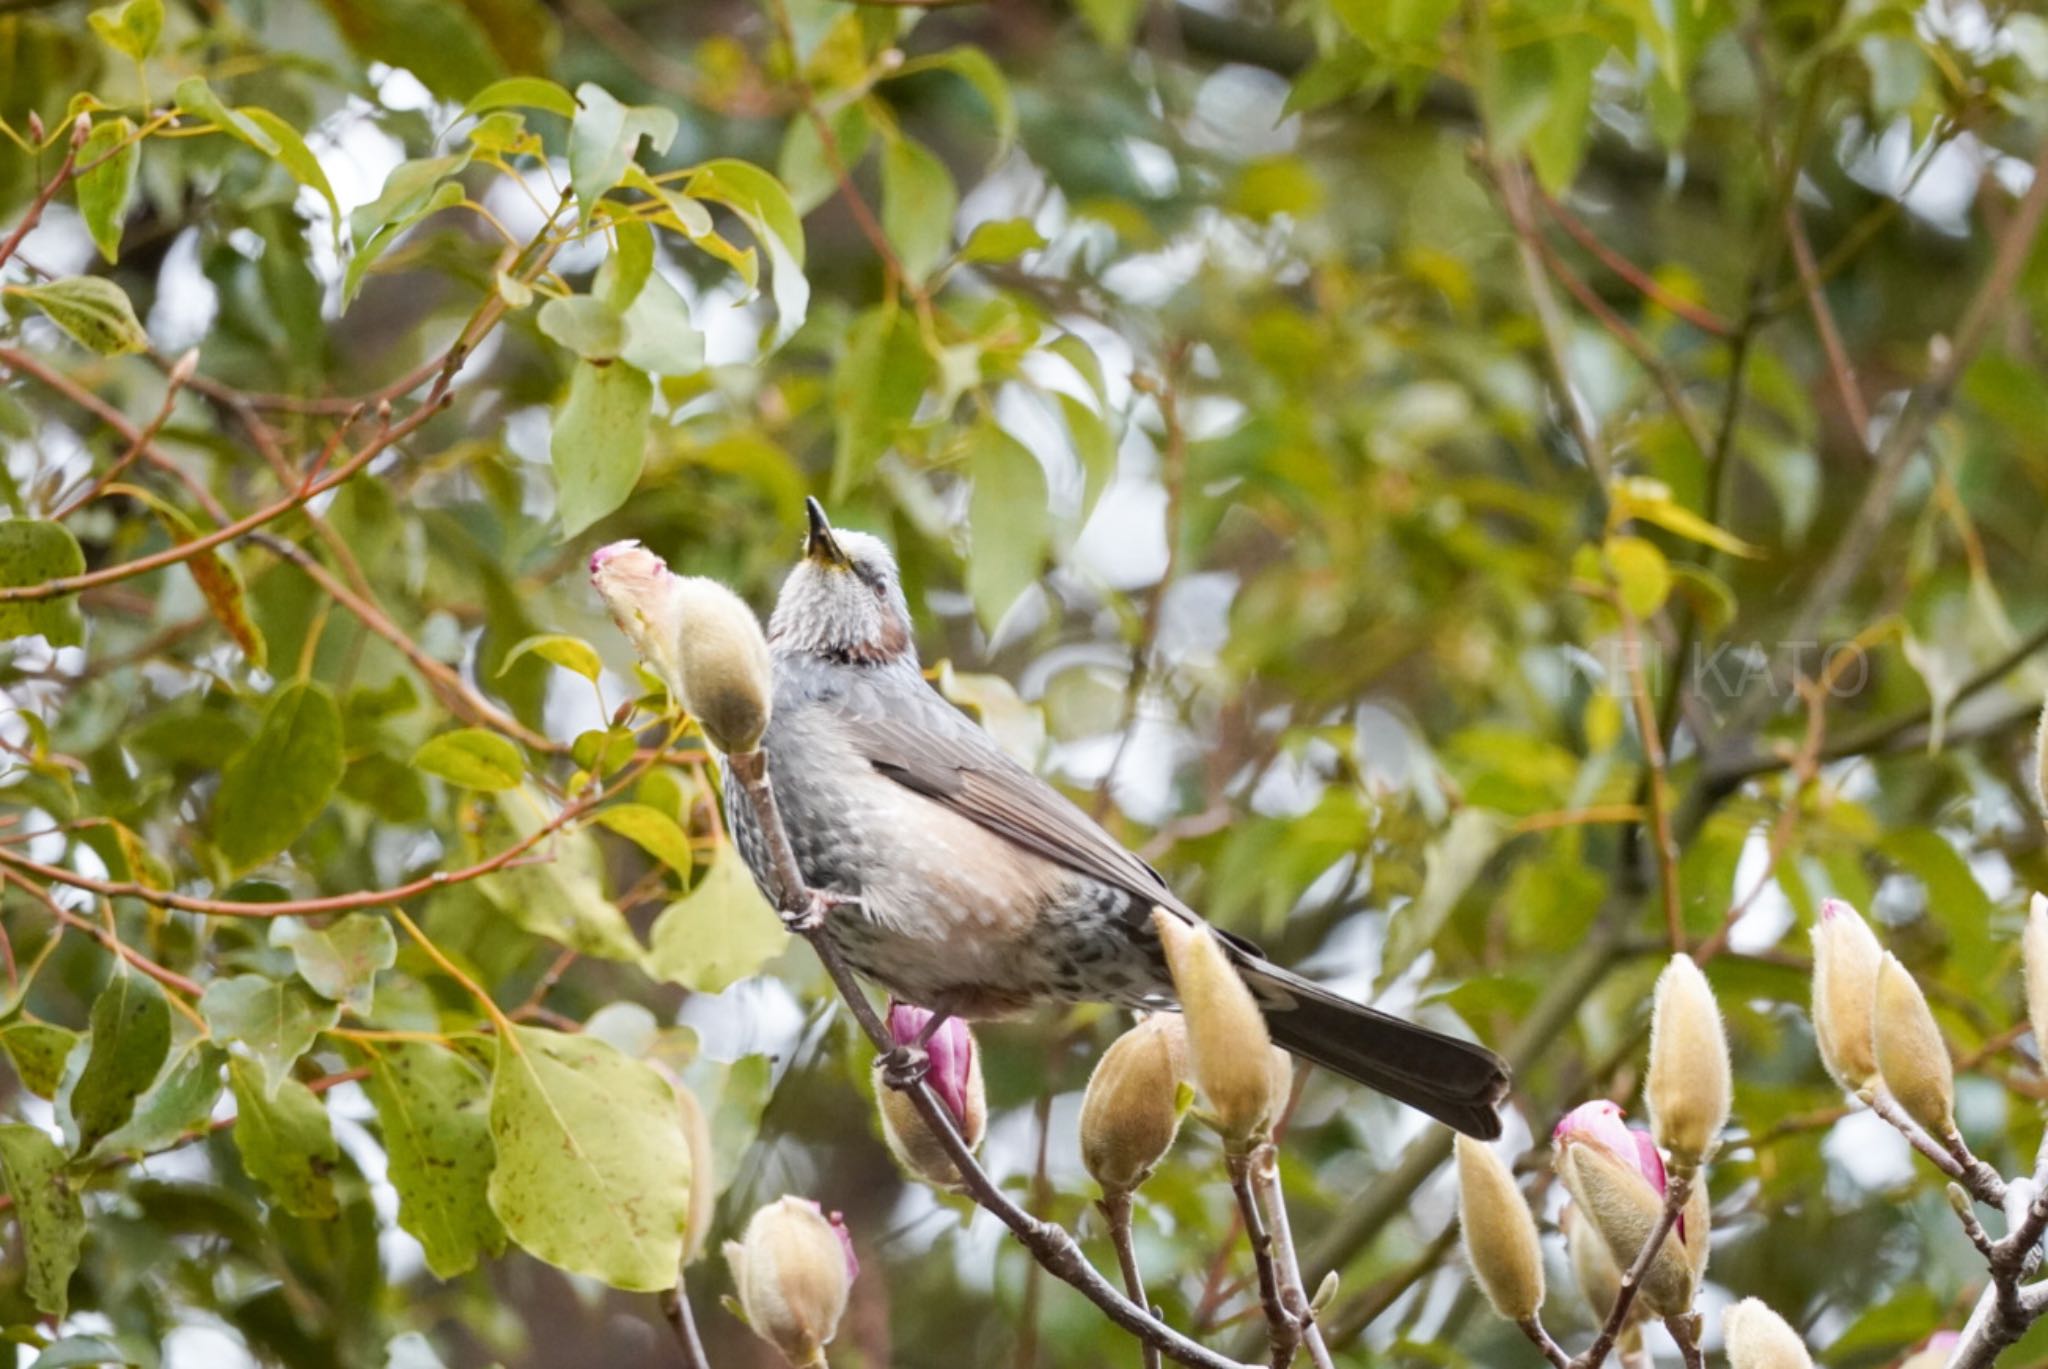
<point>819,544</point>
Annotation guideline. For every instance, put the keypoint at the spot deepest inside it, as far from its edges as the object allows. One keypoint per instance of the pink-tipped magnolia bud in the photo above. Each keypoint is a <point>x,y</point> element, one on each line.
<point>793,1268</point>
<point>1845,961</point>
<point>1617,1178</point>
<point>1758,1338</point>
<point>1912,1058</point>
<point>954,1078</point>
<point>1136,1096</point>
<point>1500,1233</point>
<point>1935,1352</point>
<point>1689,1085</point>
<point>1228,1047</point>
<point>697,635</point>
<point>2034,952</point>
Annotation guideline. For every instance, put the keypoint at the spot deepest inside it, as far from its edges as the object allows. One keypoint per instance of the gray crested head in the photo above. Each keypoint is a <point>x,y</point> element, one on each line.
<point>844,600</point>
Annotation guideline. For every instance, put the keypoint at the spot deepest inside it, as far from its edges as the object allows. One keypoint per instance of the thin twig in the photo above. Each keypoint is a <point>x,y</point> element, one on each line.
<point>1283,1332</point>
<point>1116,1210</point>
<point>1699,316</point>
<point>1540,1338</point>
<point>80,131</point>
<point>675,1309</point>
<point>1265,1177</point>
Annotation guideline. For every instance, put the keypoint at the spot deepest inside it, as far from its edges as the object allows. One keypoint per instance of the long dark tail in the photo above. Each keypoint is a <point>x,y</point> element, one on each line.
<point>1458,1083</point>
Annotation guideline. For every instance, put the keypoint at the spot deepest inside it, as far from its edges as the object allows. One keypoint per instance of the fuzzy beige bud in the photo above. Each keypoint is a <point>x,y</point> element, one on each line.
<point>1593,1265</point>
<point>2034,952</point>
<point>1132,1109</point>
<point>1912,1058</point>
<point>792,1268</point>
<point>1229,1050</point>
<point>1500,1233</point>
<point>699,637</point>
<point>726,684</point>
<point>1689,1083</point>
<point>1758,1338</point>
<point>1845,961</point>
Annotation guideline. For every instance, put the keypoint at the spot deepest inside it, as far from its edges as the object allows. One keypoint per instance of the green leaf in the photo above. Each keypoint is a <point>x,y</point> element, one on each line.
<point>1095,445</point>
<point>721,932</point>
<point>131,1035</point>
<point>93,310</point>
<point>454,51</point>
<point>875,392</point>
<point>433,1114</point>
<point>572,654</point>
<point>599,441</point>
<point>562,899</point>
<point>274,1019</point>
<point>38,1050</point>
<point>1112,21</point>
<point>660,337</point>
<point>918,203</point>
<point>585,325</point>
<point>340,960</point>
<point>472,758</point>
<point>178,1104</point>
<point>268,134</point>
<point>52,1221</point>
<point>272,791</point>
<point>593,1175</point>
<point>132,28</point>
<point>652,830</point>
<point>286,1141</point>
<point>763,205</point>
<point>522,92</point>
<point>413,191</point>
<point>1008,518</point>
<point>1001,240</point>
<point>603,138</point>
<point>104,192</point>
<point>34,553</point>
<point>974,67</point>
<point>1451,863</point>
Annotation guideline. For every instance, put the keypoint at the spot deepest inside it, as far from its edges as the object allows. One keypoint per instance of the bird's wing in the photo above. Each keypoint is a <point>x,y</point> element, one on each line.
<point>928,746</point>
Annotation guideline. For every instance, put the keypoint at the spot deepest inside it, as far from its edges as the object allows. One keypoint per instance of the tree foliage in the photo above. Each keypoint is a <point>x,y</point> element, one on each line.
<point>1480,495</point>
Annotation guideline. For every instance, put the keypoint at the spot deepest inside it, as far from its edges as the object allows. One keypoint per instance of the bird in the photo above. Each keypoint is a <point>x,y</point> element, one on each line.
<point>964,883</point>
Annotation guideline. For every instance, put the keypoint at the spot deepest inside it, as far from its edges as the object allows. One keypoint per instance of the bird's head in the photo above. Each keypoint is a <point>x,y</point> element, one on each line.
<point>844,600</point>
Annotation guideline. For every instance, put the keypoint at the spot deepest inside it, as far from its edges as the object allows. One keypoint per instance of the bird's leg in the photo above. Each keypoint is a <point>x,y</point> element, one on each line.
<point>812,907</point>
<point>908,1063</point>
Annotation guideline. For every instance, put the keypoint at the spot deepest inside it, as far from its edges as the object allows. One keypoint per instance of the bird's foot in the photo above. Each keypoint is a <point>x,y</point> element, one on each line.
<point>905,1066</point>
<point>814,906</point>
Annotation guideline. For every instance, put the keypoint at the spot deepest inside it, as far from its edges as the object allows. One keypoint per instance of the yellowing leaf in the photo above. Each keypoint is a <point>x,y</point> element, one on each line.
<point>593,1174</point>
<point>652,830</point>
<point>93,310</point>
<point>46,1205</point>
<point>1640,572</point>
<point>472,758</point>
<point>720,932</point>
<point>1652,501</point>
<point>433,1115</point>
<point>33,552</point>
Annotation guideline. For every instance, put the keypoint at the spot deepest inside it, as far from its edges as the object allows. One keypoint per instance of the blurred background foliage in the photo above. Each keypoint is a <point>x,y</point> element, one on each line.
<point>1473,492</point>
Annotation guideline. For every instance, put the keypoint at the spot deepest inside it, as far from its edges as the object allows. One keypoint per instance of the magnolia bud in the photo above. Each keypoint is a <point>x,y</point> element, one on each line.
<point>697,635</point>
<point>726,684</point>
<point>1845,961</point>
<point>1911,1056</point>
<point>1617,1178</point>
<point>1689,1083</point>
<point>1758,1338</point>
<point>1228,1047</point>
<point>1593,1266</point>
<point>1500,1234</point>
<point>1935,1352</point>
<point>955,1080</point>
<point>2034,952</point>
<point>1132,1109</point>
<point>793,1268</point>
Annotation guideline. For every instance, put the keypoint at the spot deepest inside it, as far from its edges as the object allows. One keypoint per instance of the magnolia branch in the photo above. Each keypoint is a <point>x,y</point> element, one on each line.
<point>805,910</point>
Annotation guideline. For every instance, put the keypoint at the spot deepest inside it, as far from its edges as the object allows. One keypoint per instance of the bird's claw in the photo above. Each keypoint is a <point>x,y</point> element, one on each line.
<point>905,1066</point>
<point>814,906</point>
